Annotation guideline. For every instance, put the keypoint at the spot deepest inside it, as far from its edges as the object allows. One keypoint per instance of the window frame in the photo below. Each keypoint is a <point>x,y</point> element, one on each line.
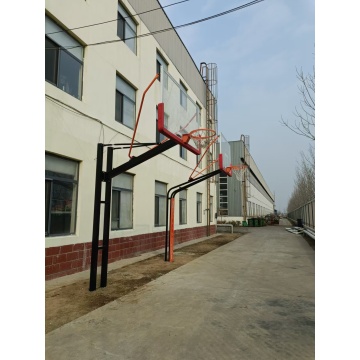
<point>57,42</point>
<point>53,180</point>
<point>162,69</point>
<point>127,24</point>
<point>157,208</point>
<point>199,208</point>
<point>119,116</point>
<point>183,206</point>
<point>118,190</point>
<point>182,152</point>
<point>183,95</point>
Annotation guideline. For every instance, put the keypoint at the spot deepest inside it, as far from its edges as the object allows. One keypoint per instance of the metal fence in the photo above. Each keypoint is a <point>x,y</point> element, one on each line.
<point>304,214</point>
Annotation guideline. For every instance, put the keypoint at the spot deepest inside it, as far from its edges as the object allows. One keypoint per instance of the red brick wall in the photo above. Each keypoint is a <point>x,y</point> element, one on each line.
<point>70,259</point>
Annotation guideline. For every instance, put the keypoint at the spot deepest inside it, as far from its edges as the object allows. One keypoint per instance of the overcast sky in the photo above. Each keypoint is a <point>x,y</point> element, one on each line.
<point>257,50</point>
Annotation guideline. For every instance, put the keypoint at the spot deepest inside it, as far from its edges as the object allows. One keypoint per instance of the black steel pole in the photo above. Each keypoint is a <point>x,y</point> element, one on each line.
<point>134,161</point>
<point>96,217</point>
<point>106,231</point>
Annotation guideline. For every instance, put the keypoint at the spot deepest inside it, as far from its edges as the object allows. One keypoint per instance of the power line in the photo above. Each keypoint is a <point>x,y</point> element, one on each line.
<point>168,29</point>
<point>108,21</point>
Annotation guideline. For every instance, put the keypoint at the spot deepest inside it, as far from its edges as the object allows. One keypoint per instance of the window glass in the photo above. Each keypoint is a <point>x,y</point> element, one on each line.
<point>70,74</point>
<point>126,210</point>
<point>63,59</point>
<point>125,105</point>
<point>182,207</point>
<point>63,39</point>
<point>182,152</point>
<point>121,26</point>
<point>198,207</point>
<point>128,113</point>
<point>125,88</point>
<point>122,202</point>
<point>160,203</point>
<point>126,28</point>
<point>162,69</point>
<point>119,107</point>
<point>60,195</point>
<point>183,96</point>
<point>198,114</point>
<point>51,60</point>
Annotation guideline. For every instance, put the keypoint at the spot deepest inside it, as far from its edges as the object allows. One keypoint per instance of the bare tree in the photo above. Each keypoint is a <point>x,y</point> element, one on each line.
<point>304,125</point>
<point>304,122</point>
<point>304,187</point>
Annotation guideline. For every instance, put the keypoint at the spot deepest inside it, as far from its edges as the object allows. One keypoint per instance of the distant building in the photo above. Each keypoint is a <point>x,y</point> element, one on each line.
<point>248,197</point>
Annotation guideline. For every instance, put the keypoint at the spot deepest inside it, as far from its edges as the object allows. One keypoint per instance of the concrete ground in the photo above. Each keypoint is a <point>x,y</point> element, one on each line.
<point>253,298</point>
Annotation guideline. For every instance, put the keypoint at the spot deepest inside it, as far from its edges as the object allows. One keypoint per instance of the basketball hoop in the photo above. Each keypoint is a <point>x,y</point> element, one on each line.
<point>201,136</point>
<point>238,170</point>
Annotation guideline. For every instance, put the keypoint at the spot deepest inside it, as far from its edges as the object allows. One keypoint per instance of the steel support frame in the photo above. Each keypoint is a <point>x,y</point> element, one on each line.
<point>178,188</point>
<point>107,176</point>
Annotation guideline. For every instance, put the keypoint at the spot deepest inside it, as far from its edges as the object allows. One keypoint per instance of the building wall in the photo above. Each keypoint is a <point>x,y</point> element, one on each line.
<point>74,127</point>
<point>260,200</point>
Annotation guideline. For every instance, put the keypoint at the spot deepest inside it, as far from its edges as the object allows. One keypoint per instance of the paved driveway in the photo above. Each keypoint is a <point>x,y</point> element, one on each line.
<point>253,298</point>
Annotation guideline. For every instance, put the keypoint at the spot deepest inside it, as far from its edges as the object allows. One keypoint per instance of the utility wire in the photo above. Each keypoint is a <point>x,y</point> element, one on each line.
<point>171,28</point>
<point>109,21</point>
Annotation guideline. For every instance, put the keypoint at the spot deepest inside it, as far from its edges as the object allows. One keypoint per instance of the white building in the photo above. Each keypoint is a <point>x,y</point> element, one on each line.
<point>94,82</point>
<point>247,197</point>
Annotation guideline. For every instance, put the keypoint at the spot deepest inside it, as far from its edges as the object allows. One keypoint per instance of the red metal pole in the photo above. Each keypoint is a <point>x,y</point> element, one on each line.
<point>172,230</point>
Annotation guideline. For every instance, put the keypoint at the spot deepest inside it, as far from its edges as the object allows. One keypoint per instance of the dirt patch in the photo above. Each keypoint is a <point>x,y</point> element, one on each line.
<point>69,302</point>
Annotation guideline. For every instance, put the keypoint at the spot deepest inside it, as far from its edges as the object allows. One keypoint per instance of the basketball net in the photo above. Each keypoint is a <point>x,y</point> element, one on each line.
<point>202,137</point>
<point>238,170</point>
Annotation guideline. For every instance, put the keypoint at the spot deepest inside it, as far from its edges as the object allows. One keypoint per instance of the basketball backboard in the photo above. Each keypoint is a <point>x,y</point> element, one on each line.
<point>177,113</point>
<point>225,155</point>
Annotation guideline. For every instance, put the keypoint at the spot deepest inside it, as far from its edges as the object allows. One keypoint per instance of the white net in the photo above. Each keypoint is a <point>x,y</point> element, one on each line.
<point>239,172</point>
<point>202,137</point>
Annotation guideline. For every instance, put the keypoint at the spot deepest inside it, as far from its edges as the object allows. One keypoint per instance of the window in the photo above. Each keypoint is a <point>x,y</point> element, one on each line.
<point>160,203</point>
<point>122,202</point>
<point>183,95</point>
<point>182,152</point>
<point>61,183</point>
<point>125,103</point>
<point>198,207</point>
<point>126,28</point>
<point>211,208</point>
<point>63,59</point>
<point>198,115</point>
<point>182,207</point>
<point>198,157</point>
<point>162,69</point>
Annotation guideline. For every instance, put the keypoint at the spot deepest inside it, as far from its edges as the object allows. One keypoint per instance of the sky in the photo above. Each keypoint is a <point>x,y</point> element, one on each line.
<point>257,51</point>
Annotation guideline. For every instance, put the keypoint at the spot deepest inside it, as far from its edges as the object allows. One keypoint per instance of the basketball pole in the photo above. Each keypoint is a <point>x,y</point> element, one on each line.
<point>170,234</point>
<point>106,176</point>
<point>172,230</point>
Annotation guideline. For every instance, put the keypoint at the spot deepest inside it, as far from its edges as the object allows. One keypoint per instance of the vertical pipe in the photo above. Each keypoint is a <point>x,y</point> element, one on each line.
<point>167,227</point>
<point>172,230</point>
<point>106,231</point>
<point>96,217</point>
